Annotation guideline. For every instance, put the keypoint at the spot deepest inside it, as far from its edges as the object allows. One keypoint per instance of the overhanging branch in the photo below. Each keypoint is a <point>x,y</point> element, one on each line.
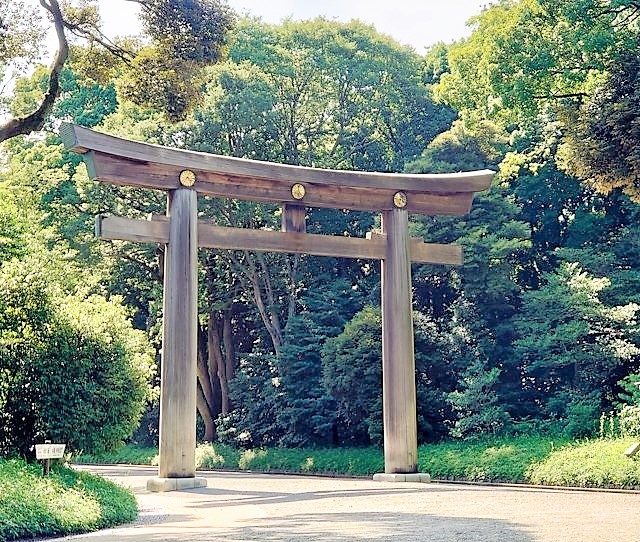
<point>35,120</point>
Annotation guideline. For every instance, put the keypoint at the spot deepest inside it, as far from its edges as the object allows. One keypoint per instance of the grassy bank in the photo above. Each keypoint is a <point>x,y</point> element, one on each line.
<point>535,460</point>
<point>63,503</point>
<point>597,463</point>
<point>498,460</point>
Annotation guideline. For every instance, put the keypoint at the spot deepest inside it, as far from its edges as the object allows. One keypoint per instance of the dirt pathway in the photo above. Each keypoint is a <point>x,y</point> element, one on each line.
<point>242,506</point>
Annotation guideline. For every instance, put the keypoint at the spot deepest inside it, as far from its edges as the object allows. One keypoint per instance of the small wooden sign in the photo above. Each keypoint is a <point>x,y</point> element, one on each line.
<point>50,451</point>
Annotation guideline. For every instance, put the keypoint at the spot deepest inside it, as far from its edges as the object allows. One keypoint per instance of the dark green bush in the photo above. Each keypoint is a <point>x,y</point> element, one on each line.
<point>352,373</point>
<point>71,370</point>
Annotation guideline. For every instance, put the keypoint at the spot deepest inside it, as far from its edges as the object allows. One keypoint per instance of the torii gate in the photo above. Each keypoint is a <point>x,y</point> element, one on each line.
<point>185,174</point>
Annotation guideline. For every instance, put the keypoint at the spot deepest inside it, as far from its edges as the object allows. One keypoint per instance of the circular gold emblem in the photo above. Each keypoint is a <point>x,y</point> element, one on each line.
<point>187,178</point>
<point>298,191</point>
<point>400,199</point>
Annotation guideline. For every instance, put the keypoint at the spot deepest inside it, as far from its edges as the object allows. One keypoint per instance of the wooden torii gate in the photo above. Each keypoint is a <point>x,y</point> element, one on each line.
<point>185,174</point>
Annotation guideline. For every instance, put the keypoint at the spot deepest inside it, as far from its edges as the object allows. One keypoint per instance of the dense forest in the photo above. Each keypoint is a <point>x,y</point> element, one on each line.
<point>537,331</point>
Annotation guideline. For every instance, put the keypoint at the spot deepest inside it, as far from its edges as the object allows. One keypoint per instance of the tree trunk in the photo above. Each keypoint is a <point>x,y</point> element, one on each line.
<point>229,350</point>
<point>205,412</point>
<point>218,366</point>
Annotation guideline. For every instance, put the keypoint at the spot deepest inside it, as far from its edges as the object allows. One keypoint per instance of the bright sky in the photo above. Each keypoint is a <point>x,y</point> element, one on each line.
<point>419,23</point>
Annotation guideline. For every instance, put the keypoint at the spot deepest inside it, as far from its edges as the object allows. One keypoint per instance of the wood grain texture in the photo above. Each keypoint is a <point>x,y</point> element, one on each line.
<point>294,218</point>
<point>398,362</point>
<point>372,248</point>
<point>119,161</point>
<point>121,171</point>
<point>129,229</point>
<point>179,363</point>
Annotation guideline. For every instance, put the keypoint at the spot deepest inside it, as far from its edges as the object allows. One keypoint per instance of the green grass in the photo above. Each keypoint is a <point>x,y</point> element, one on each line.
<point>63,503</point>
<point>595,463</point>
<point>496,460</point>
<point>337,461</point>
<point>523,459</point>
<point>126,455</point>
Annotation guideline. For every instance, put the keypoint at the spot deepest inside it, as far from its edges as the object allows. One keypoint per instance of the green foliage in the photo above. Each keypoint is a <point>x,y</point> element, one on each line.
<point>84,102</point>
<point>341,461</point>
<point>352,374</point>
<point>359,461</point>
<point>344,96</point>
<point>66,502</point>
<point>21,33</point>
<point>14,226</point>
<point>168,75</point>
<point>122,455</point>
<point>571,344</point>
<point>624,423</point>
<point>476,404</point>
<point>194,30</point>
<point>240,104</point>
<point>524,54</point>
<point>629,417</point>
<point>306,414</point>
<point>602,147</point>
<point>462,149</point>
<point>254,420</point>
<point>153,82</point>
<point>67,366</point>
<point>631,390</point>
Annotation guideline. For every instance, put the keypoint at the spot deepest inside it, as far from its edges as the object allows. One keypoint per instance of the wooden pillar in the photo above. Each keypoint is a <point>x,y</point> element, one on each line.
<point>398,362</point>
<point>294,218</point>
<point>179,342</point>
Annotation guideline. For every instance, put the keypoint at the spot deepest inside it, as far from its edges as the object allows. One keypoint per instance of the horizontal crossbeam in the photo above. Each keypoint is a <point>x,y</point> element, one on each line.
<point>209,236</point>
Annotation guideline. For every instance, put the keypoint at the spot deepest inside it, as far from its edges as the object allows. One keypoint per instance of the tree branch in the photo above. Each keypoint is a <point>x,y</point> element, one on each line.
<point>560,96</point>
<point>96,35</point>
<point>35,120</point>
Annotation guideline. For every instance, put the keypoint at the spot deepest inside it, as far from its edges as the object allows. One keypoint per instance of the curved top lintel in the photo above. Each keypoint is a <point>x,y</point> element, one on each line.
<point>82,140</point>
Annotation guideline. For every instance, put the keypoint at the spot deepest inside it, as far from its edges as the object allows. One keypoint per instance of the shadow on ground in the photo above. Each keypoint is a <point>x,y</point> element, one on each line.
<point>351,527</point>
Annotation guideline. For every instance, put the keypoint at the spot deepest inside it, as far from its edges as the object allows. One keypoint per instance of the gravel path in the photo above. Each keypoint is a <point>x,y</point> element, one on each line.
<point>244,506</point>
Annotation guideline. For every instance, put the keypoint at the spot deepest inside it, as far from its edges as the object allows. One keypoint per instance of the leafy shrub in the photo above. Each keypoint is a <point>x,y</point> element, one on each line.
<point>629,418</point>
<point>71,370</point>
<point>582,415</point>
<point>125,455</point>
<point>622,424</point>
<point>630,389</point>
<point>352,373</point>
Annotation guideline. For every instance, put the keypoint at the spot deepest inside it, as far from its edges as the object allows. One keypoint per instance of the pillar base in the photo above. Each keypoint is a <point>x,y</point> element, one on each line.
<point>419,477</point>
<point>158,485</point>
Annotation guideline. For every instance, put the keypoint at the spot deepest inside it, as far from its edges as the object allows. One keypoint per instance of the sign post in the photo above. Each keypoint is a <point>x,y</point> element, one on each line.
<point>46,452</point>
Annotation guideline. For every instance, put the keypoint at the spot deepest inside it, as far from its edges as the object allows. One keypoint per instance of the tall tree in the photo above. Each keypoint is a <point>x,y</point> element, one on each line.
<point>525,54</point>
